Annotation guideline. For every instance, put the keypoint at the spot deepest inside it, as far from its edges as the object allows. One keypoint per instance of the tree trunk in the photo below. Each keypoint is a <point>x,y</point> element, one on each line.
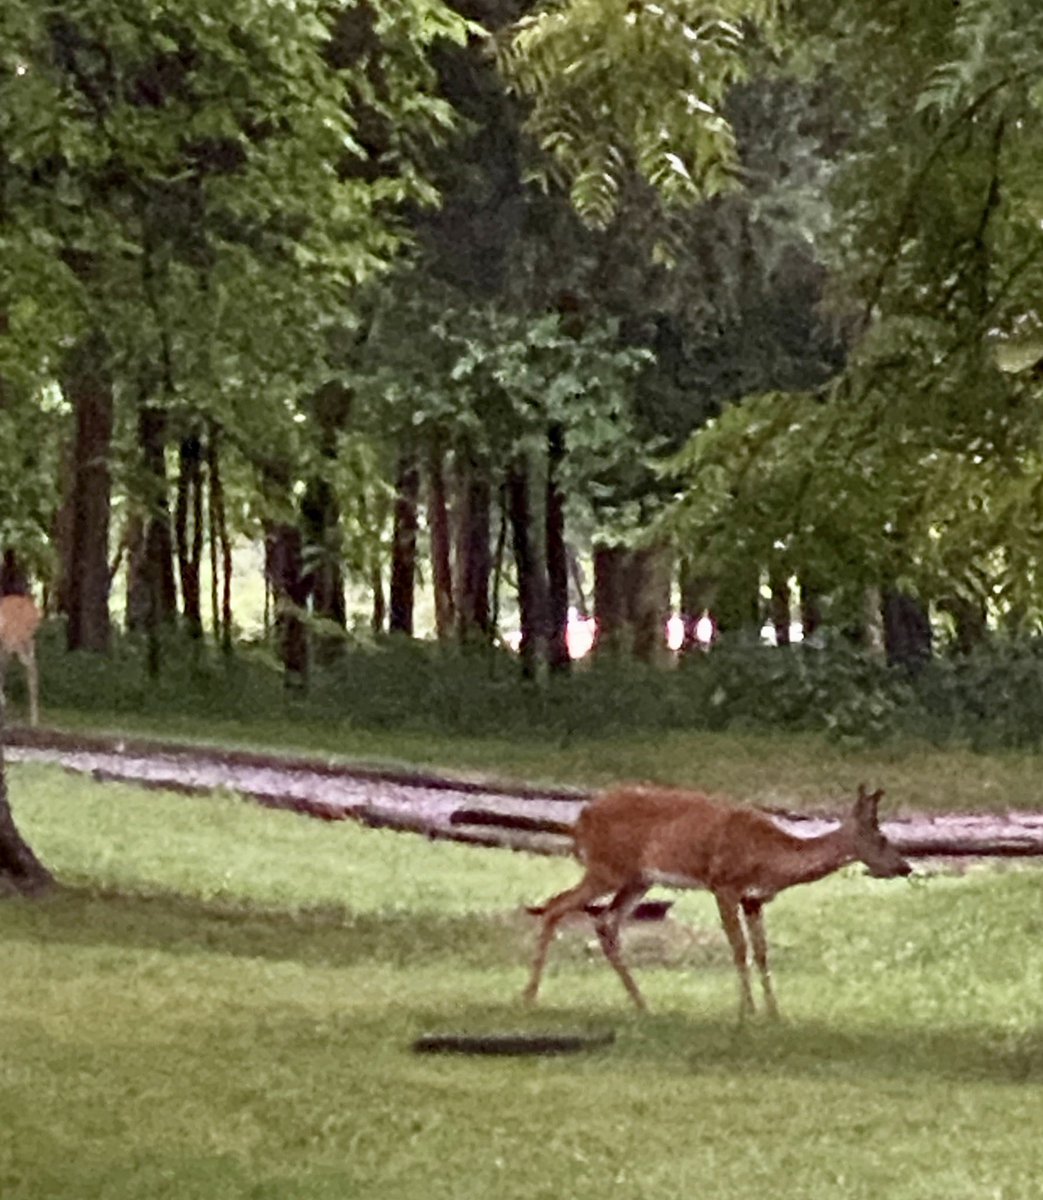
<point>810,608</point>
<point>62,527</point>
<point>872,607</point>
<point>20,870</point>
<point>379,601</point>
<point>85,571</point>
<point>907,631</point>
<point>320,509</point>
<point>473,556</point>
<point>403,547</point>
<point>152,587</point>
<point>323,553</point>
<point>189,507</point>
<point>557,555</point>
<point>612,636</point>
<point>532,583</point>
<point>219,532</point>
<point>648,602</point>
<point>285,573</point>
<point>441,558</point>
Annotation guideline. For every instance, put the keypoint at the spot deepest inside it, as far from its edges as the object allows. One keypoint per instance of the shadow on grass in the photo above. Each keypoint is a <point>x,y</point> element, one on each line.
<point>696,1044</point>
<point>678,1042</point>
<point>328,936</point>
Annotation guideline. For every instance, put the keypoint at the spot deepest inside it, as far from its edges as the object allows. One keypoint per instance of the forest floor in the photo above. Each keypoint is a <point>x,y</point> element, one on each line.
<point>476,811</point>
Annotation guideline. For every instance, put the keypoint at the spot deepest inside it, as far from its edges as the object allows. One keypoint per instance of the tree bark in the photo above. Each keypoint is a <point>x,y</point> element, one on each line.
<point>810,608</point>
<point>907,631</point>
<point>151,583</point>
<point>403,547</point>
<point>20,870</point>
<point>648,602</point>
<point>379,601</point>
<point>612,636</point>
<point>85,576</point>
<point>324,577</point>
<point>320,510</point>
<point>557,555</point>
<point>219,533</point>
<point>532,582</point>
<point>285,573</point>
<point>441,557</point>
<point>473,555</point>
<point>189,508</point>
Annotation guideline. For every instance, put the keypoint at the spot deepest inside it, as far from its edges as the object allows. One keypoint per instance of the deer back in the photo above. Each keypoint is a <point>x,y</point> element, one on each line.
<point>19,620</point>
<point>659,834</point>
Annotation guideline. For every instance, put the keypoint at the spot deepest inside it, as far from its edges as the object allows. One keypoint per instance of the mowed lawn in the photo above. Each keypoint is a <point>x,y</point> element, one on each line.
<point>221,1003</point>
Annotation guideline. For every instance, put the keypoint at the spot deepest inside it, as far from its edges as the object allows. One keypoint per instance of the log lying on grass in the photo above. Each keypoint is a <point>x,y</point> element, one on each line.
<point>510,1043</point>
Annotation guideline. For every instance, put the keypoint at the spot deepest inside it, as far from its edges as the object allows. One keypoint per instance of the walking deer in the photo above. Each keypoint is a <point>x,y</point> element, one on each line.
<point>19,620</point>
<point>633,838</point>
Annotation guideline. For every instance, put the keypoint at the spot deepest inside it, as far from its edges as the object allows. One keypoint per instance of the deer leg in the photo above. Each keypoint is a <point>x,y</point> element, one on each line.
<point>608,926</point>
<point>729,910</point>
<point>754,912</point>
<point>555,910</point>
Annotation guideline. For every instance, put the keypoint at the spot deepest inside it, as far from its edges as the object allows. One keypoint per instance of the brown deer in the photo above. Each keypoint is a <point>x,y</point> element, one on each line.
<point>19,620</point>
<point>633,838</point>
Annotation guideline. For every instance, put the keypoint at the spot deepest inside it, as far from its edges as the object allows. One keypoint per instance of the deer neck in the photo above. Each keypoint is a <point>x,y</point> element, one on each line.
<point>807,859</point>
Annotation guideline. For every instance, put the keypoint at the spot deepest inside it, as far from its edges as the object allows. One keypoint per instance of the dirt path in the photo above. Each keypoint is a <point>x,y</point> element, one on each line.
<point>439,807</point>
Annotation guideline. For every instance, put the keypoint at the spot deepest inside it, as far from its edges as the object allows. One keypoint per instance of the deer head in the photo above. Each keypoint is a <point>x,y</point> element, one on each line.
<point>870,845</point>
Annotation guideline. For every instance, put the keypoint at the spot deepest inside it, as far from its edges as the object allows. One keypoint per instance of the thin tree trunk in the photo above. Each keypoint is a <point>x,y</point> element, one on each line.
<point>810,608</point>
<point>532,581</point>
<point>152,584</point>
<point>219,527</point>
<point>379,601</point>
<point>324,581</point>
<point>473,556</point>
<point>441,559</point>
<point>211,530</point>
<point>403,547</point>
<point>189,507</point>
<point>88,388</point>
<point>557,558</point>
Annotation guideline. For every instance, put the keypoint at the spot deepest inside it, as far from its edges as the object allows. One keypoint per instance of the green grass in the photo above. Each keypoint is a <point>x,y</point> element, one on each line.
<point>219,1004</point>
<point>797,770</point>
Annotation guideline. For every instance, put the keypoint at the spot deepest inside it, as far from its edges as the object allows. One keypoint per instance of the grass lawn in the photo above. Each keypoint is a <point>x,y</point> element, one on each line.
<point>786,770</point>
<point>220,1004</point>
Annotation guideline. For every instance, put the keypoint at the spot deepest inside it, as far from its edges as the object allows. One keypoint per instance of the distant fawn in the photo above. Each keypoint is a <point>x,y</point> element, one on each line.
<point>633,838</point>
<point>19,620</point>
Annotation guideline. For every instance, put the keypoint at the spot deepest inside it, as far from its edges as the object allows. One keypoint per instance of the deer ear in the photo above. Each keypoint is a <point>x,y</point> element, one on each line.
<point>867,802</point>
